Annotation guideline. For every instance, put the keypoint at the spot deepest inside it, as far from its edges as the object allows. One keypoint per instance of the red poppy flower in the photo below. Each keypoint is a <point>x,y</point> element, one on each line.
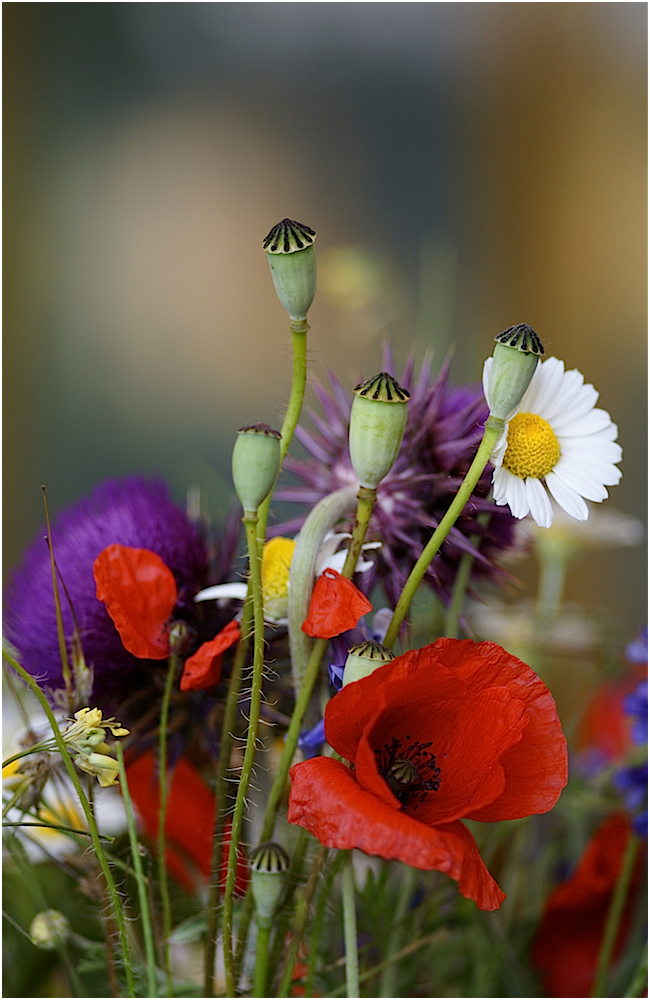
<point>567,944</point>
<point>140,594</point>
<point>203,668</point>
<point>189,820</point>
<point>457,730</point>
<point>336,606</point>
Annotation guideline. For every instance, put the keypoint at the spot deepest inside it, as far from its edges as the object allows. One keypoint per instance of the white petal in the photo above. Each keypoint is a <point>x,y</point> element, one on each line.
<point>539,503</point>
<point>486,380</point>
<point>571,406</point>
<point>499,486</point>
<point>583,482</point>
<point>516,496</point>
<point>567,498</point>
<point>223,591</point>
<point>545,385</point>
<point>595,422</point>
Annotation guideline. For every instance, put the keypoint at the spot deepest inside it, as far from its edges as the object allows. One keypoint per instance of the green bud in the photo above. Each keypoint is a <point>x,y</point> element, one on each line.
<point>49,929</point>
<point>255,464</point>
<point>514,362</point>
<point>181,635</point>
<point>377,423</point>
<point>269,864</point>
<point>292,260</point>
<point>364,659</point>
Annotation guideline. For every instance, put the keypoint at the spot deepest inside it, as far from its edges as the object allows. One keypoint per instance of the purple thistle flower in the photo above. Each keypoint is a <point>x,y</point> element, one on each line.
<point>135,512</point>
<point>443,431</point>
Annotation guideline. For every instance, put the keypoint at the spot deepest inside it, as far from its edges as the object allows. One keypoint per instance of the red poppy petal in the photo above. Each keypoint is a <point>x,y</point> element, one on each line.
<point>336,606</point>
<point>189,819</point>
<point>537,767</point>
<point>140,593</point>
<point>202,670</point>
<point>467,738</point>
<point>326,800</point>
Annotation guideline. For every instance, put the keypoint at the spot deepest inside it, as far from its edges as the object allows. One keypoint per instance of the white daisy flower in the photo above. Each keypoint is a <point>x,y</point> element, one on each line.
<point>557,442</point>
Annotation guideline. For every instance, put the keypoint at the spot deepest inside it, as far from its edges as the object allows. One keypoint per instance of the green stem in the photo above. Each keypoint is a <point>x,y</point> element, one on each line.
<point>298,330</point>
<point>250,523</point>
<point>90,819</point>
<point>145,915</point>
<point>162,814</point>
<point>261,961</point>
<point>462,579</point>
<point>223,797</point>
<point>396,933</point>
<point>65,665</point>
<point>350,929</point>
<point>315,936</point>
<point>639,979</point>
<point>365,502</point>
<point>493,428</point>
<point>614,915</point>
<point>300,919</point>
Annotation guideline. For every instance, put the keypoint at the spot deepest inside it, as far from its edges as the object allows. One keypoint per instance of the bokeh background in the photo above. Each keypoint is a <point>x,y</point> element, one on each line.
<point>467,166</point>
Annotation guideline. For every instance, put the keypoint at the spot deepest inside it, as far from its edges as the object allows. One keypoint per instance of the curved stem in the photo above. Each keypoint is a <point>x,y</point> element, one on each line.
<point>350,929</point>
<point>250,522</point>
<point>493,428</point>
<point>145,915</point>
<point>162,814</point>
<point>90,819</point>
<point>613,922</point>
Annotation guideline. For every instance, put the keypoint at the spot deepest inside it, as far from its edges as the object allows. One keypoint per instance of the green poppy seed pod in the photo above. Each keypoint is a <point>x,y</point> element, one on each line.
<point>292,259</point>
<point>269,865</point>
<point>49,929</point>
<point>377,423</point>
<point>363,659</point>
<point>513,365</point>
<point>255,464</point>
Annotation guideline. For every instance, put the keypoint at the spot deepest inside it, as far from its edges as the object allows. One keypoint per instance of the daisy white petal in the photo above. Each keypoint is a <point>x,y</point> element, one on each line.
<point>539,503</point>
<point>567,498</point>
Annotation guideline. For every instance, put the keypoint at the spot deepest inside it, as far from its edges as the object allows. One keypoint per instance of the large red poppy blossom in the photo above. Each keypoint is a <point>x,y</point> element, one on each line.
<point>567,943</point>
<point>457,730</point>
<point>336,606</point>
<point>189,820</point>
<point>140,594</point>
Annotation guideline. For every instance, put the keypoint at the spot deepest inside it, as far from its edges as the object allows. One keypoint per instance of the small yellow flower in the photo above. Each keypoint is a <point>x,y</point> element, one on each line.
<point>88,732</point>
<point>103,767</point>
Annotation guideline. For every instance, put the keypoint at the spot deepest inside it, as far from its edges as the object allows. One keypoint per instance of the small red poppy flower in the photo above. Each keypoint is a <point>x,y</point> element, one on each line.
<point>336,606</point>
<point>140,593</point>
<point>568,940</point>
<point>189,820</point>
<point>203,669</point>
<point>456,730</point>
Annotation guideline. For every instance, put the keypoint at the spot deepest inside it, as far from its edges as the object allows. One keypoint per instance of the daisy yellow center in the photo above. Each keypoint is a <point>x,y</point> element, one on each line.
<point>276,563</point>
<point>533,449</point>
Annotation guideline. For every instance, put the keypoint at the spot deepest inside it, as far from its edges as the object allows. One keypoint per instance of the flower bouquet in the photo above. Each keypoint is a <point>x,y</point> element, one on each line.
<point>315,762</point>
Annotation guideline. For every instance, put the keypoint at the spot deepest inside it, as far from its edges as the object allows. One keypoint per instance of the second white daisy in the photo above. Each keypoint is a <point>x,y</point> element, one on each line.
<point>556,442</point>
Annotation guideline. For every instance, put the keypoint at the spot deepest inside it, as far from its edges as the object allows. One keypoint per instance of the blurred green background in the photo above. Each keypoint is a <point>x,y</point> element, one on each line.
<point>467,166</point>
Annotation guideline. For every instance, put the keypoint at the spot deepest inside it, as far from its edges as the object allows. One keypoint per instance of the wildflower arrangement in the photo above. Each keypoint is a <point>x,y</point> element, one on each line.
<point>324,787</point>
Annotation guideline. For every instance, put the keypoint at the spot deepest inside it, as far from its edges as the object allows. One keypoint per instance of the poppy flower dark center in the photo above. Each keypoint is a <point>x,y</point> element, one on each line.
<point>409,769</point>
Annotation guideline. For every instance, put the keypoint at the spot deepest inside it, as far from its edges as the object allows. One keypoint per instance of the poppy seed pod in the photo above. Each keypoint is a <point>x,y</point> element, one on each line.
<point>363,659</point>
<point>292,260</point>
<point>377,423</point>
<point>255,464</point>
<point>269,865</point>
<point>514,362</point>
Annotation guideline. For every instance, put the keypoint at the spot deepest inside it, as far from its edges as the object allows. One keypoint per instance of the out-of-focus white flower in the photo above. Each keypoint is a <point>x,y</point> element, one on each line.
<point>556,442</point>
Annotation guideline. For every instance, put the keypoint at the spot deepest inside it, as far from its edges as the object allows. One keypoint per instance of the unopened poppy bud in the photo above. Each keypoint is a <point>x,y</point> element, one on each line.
<point>269,864</point>
<point>363,659</point>
<point>377,423</point>
<point>181,635</point>
<point>49,929</point>
<point>513,365</point>
<point>255,464</point>
<point>292,260</point>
